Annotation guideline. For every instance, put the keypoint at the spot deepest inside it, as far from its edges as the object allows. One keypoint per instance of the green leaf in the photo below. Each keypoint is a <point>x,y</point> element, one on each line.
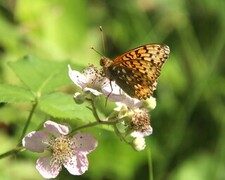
<point>11,93</point>
<point>60,105</point>
<point>41,76</point>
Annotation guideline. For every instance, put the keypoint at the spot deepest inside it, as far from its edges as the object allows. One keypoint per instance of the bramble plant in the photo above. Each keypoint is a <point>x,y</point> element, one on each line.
<point>68,145</point>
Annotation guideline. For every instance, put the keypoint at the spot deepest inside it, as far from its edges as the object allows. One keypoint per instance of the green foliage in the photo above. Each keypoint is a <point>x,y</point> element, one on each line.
<point>13,94</point>
<point>41,76</point>
<point>189,121</point>
<point>61,105</point>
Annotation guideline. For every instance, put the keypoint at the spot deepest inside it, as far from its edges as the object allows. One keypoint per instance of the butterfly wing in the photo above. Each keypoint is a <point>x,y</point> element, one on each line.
<point>158,53</point>
<point>137,71</point>
<point>137,82</point>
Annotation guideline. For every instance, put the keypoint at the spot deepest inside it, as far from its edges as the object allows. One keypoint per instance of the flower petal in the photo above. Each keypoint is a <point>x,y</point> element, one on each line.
<point>55,128</point>
<point>130,102</point>
<point>78,78</point>
<point>142,134</point>
<point>111,88</point>
<point>116,94</point>
<point>46,169</point>
<point>93,91</point>
<point>77,165</point>
<point>84,143</point>
<point>35,141</point>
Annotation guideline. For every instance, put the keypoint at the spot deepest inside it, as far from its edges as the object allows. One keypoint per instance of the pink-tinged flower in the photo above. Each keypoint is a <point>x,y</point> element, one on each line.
<point>90,80</point>
<point>140,123</point>
<point>116,94</point>
<point>71,152</point>
<point>147,132</point>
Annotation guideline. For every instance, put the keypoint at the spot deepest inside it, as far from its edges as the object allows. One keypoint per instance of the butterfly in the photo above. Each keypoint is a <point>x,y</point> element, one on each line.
<point>137,70</point>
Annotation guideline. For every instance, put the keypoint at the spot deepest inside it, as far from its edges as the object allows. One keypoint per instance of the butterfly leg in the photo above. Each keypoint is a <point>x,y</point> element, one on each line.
<point>109,93</point>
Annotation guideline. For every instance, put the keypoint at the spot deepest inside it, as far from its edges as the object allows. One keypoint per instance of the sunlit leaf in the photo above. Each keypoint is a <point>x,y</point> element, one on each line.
<point>11,93</point>
<point>62,105</point>
<point>41,75</point>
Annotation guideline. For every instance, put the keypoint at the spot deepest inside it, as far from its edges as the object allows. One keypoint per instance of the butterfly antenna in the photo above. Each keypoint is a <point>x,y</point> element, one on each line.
<point>102,35</point>
<point>96,51</point>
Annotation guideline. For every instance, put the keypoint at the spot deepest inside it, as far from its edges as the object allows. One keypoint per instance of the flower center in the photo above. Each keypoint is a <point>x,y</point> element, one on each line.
<point>94,75</point>
<point>62,148</point>
<point>140,121</point>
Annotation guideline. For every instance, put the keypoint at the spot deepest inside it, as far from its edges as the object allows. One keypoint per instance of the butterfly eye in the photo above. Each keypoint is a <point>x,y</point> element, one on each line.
<point>103,61</point>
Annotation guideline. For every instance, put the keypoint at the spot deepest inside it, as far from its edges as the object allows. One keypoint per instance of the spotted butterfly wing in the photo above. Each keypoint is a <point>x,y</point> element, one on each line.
<point>137,70</point>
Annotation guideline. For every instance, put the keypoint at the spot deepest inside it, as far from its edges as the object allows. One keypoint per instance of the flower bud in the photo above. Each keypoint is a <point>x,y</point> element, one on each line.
<point>139,143</point>
<point>149,103</point>
<point>78,98</point>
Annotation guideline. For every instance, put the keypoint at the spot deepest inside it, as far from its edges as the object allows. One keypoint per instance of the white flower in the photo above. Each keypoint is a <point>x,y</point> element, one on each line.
<point>140,123</point>
<point>71,152</point>
<point>90,80</point>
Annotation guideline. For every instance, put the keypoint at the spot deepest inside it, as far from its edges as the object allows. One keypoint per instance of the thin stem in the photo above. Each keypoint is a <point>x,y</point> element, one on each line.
<point>94,110</point>
<point>13,151</point>
<point>99,122</point>
<point>91,125</point>
<point>84,126</point>
<point>120,135</point>
<point>28,122</point>
<point>150,165</point>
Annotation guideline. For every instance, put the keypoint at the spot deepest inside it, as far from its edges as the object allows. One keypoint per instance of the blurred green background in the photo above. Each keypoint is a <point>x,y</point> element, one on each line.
<point>189,121</point>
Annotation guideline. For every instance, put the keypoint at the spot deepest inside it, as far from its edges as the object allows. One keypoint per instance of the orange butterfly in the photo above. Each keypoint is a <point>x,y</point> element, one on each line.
<point>137,71</point>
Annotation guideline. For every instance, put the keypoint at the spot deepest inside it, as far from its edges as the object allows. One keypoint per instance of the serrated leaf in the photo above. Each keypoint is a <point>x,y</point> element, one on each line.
<point>11,93</point>
<point>41,76</point>
<point>60,105</point>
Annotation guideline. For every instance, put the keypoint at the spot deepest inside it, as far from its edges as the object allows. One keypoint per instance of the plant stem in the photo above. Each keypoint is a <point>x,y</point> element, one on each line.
<point>94,110</point>
<point>120,135</point>
<point>28,122</point>
<point>13,151</point>
<point>150,165</point>
<point>99,122</point>
<point>91,125</point>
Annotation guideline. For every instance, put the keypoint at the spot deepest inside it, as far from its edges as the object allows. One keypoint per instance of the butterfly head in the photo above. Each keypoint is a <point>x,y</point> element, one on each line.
<point>105,63</point>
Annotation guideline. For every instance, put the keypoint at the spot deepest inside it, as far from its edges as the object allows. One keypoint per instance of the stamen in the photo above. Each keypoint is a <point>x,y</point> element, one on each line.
<point>61,148</point>
<point>140,121</point>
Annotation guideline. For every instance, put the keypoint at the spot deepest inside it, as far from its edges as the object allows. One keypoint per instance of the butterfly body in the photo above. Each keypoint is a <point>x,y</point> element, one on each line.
<point>137,70</point>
